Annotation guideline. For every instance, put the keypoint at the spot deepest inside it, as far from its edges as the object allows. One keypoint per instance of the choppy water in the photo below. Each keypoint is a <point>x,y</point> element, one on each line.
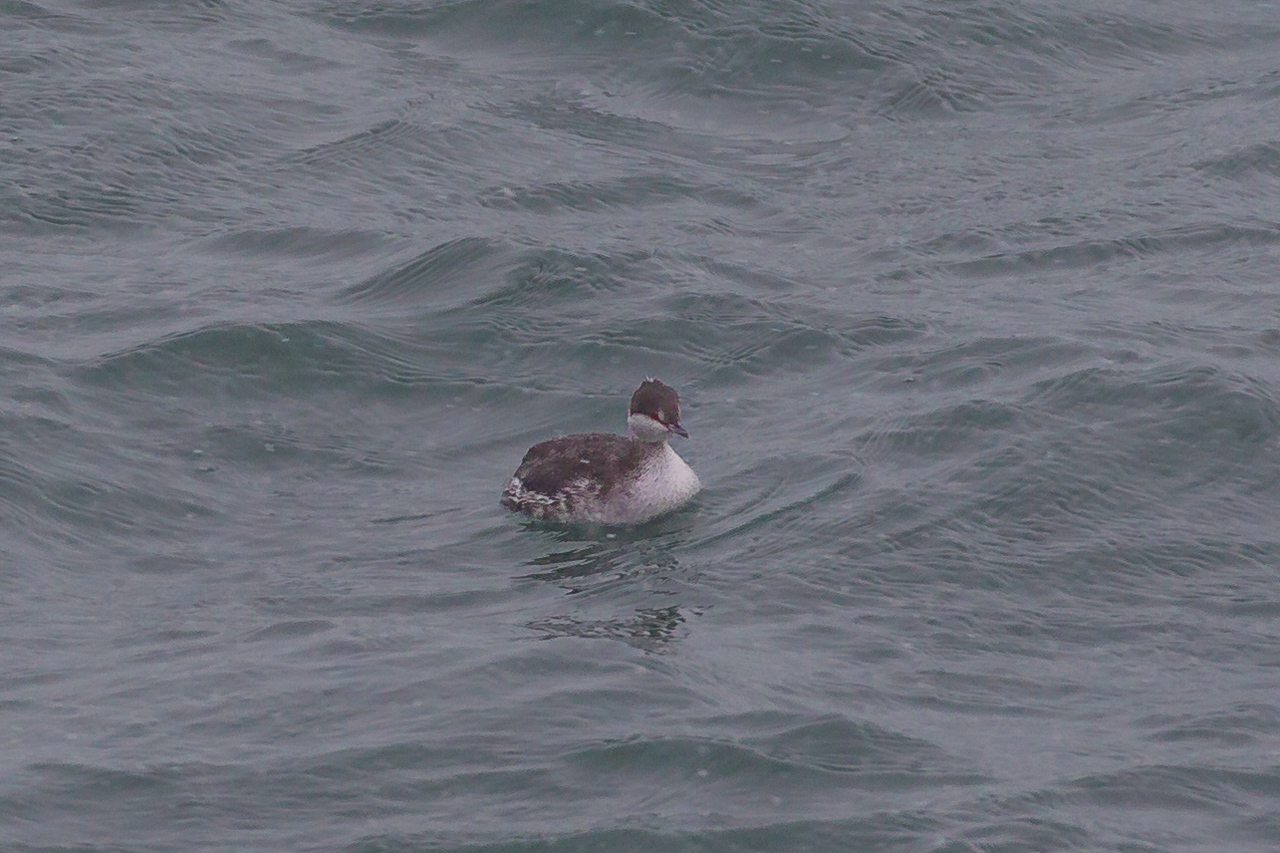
<point>975,315</point>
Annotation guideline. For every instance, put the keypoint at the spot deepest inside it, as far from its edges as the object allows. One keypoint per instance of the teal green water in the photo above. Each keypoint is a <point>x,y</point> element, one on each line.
<point>973,313</point>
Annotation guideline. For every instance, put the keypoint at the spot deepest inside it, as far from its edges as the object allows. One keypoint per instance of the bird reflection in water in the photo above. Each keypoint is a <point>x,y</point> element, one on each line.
<point>650,630</point>
<point>624,561</point>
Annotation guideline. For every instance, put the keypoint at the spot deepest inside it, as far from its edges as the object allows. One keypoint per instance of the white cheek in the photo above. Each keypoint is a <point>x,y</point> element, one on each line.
<point>646,428</point>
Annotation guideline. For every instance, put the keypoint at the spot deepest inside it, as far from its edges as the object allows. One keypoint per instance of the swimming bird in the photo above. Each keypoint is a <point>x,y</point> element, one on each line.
<point>599,478</point>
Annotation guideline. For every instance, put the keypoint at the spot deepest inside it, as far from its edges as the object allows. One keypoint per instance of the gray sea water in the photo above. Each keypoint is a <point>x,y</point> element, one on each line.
<point>974,310</point>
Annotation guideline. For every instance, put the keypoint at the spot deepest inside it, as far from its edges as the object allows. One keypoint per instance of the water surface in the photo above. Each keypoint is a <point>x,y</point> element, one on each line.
<point>972,309</point>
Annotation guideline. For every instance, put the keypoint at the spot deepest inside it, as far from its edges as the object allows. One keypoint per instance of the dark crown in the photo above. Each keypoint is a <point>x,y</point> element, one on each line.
<point>657,400</point>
